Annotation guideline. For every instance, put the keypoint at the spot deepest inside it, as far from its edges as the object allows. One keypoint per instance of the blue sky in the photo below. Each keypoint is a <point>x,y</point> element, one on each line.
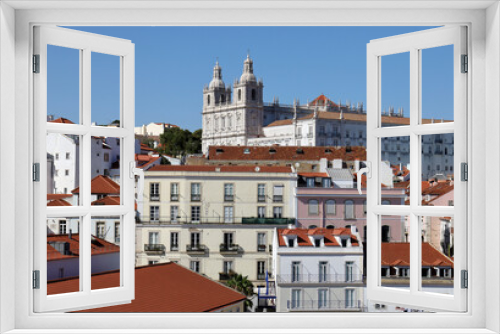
<point>174,63</point>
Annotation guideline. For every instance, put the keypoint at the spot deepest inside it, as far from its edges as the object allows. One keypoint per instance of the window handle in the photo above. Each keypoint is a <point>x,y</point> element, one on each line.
<point>365,170</point>
<point>134,171</point>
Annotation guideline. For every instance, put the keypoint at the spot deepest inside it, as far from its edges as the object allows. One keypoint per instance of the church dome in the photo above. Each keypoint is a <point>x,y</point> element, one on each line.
<point>217,79</point>
<point>248,75</point>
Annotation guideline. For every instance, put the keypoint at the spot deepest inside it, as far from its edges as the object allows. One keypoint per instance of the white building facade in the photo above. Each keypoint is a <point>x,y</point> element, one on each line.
<point>318,270</point>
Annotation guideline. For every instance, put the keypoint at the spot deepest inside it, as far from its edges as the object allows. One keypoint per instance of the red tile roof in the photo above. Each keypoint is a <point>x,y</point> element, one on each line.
<point>314,174</point>
<point>398,254</point>
<point>98,246</point>
<point>107,200</point>
<point>438,188</point>
<point>323,100</point>
<point>356,117</point>
<point>145,147</point>
<point>223,169</point>
<point>285,153</point>
<point>101,185</point>
<point>328,234</point>
<point>166,287</point>
<point>51,197</point>
<point>58,202</point>
<point>145,160</point>
<point>62,120</point>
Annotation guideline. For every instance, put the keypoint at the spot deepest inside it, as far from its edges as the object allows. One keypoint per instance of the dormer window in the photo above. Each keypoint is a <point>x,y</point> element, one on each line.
<point>327,182</point>
<point>246,151</point>
<point>310,182</point>
<point>343,242</point>
<point>318,241</point>
<point>272,150</point>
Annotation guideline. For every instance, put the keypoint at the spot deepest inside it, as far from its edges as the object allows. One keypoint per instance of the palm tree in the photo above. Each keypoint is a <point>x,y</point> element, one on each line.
<point>242,284</point>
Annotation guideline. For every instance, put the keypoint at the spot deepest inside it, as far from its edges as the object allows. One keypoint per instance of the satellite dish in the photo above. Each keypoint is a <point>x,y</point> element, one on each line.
<point>257,169</point>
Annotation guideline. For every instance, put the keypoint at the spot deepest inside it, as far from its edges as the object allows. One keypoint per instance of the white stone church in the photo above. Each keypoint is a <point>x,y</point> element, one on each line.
<point>246,120</point>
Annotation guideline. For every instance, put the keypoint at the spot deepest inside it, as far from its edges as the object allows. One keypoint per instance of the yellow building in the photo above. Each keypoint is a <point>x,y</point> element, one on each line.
<point>214,220</point>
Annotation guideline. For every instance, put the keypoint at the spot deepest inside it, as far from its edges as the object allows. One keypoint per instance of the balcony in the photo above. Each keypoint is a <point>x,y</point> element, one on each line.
<point>268,221</point>
<point>226,276</point>
<point>261,248</point>
<point>325,305</point>
<point>261,198</point>
<point>261,276</point>
<point>174,197</point>
<point>232,249</point>
<point>154,249</point>
<point>278,198</point>
<point>174,248</point>
<point>195,197</point>
<point>314,279</point>
<point>196,249</point>
<point>154,197</point>
<point>310,135</point>
<point>228,198</point>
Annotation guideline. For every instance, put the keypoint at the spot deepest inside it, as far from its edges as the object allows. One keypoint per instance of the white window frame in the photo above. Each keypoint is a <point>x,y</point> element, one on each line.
<point>413,43</point>
<point>15,43</point>
<point>86,44</point>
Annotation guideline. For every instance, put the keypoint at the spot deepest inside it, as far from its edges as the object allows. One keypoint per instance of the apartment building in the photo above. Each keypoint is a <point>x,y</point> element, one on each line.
<point>214,220</point>
<point>318,269</point>
<point>322,203</point>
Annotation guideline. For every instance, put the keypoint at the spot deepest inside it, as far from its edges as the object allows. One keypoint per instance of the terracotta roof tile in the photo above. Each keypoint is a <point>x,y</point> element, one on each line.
<point>51,197</point>
<point>356,117</point>
<point>62,120</point>
<point>328,234</point>
<point>98,246</point>
<point>166,287</point>
<point>107,200</point>
<point>58,202</point>
<point>223,169</point>
<point>314,174</point>
<point>101,185</point>
<point>398,253</point>
<point>285,153</point>
<point>323,100</point>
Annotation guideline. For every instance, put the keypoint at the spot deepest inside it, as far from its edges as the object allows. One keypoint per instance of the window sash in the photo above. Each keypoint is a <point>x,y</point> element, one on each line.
<point>413,43</point>
<point>86,43</point>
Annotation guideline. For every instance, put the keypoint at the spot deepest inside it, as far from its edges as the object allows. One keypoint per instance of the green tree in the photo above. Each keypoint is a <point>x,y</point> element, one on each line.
<point>242,284</point>
<point>177,141</point>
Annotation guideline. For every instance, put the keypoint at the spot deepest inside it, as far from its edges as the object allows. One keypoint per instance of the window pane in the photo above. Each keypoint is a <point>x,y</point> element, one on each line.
<point>395,95</point>
<point>105,253</point>
<point>105,89</point>
<point>437,254</point>
<point>63,169</point>
<point>105,171</point>
<point>438,170</point>
<point>63,254</point>
<point>437,84</point>
<point>395,251</point>
<point>63,85</point>
<point>394,171</point>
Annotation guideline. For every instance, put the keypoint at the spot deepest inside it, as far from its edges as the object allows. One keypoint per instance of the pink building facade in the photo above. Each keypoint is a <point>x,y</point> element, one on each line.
<point>343,207</point>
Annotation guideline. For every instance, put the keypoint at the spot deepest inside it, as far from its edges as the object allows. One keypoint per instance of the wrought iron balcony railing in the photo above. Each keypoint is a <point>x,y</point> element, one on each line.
<point>325,305</point>
<point>232,249</point>
<point>154,248</point>
<point>174,197</point>
<point>196,249</point>
<point>261,198</point>
<point>315,278</point>
<point>154,197</point>
<point>278,198</point>
<point>269,221</point>
<point>228,198</point>
<point>195,197</point>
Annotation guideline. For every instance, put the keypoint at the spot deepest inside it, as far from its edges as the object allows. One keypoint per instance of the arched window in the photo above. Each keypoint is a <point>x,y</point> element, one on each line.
<point>254,95</point>
<point>349,209</point>
<point>313,207</point>
<point>239,94</point>
<point>330,207</point>
<point>386,233</point>
<point>208,99</point>
<point>330,227</point>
